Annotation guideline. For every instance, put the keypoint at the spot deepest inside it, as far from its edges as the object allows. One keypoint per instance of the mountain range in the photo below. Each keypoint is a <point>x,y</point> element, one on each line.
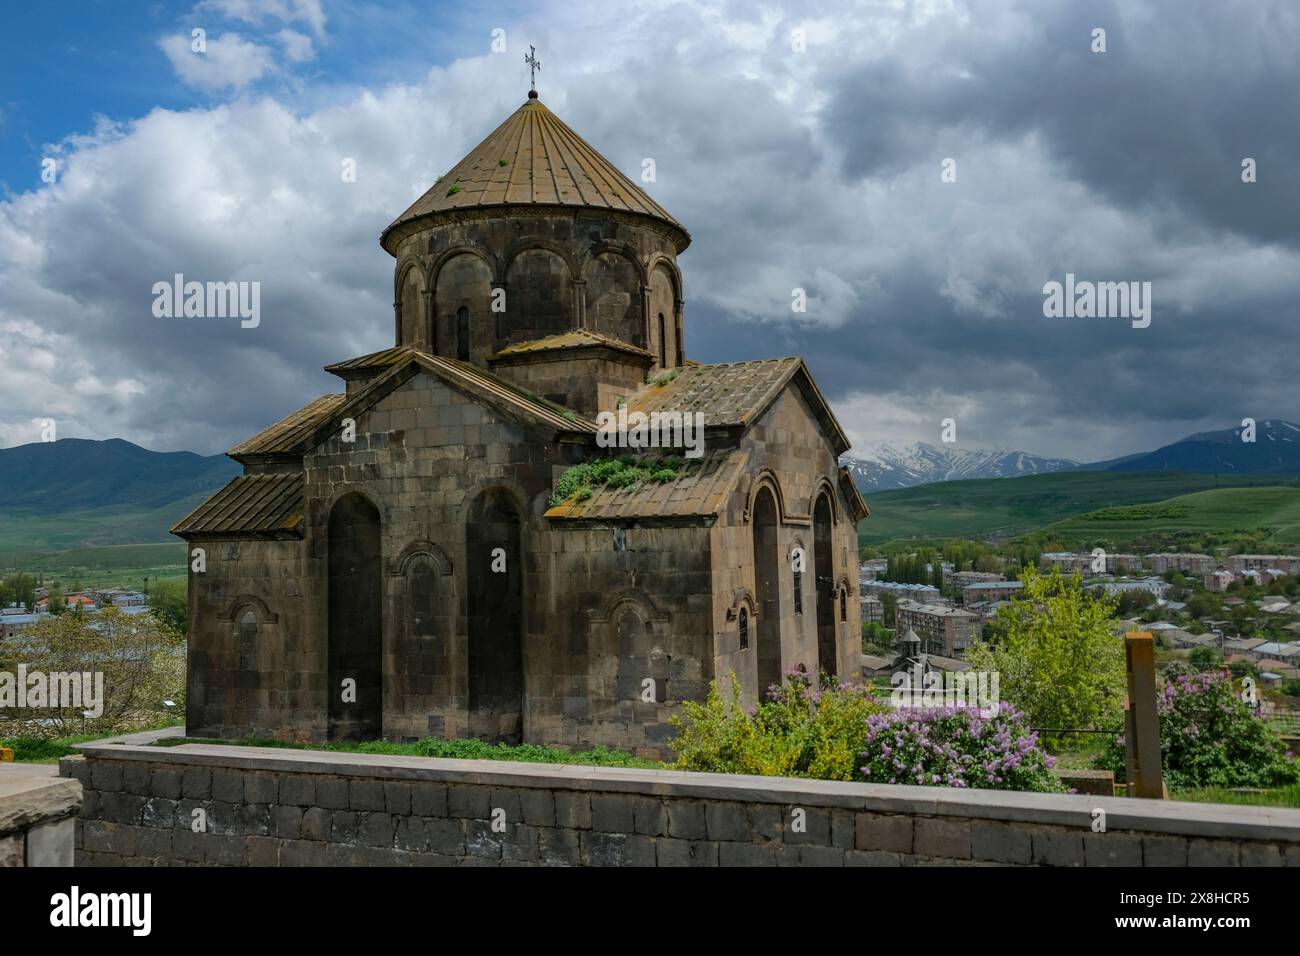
<point>880,466</point>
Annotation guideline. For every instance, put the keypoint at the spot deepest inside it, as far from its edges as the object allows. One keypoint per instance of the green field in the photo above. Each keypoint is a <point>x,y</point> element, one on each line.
<point>1006,507</point>
<point>1221,511</point>
<point>123,566</point>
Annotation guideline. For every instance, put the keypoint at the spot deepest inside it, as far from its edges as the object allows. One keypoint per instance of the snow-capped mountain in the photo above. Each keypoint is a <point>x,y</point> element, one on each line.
<point>1276,448</point>
<point>879,466</point>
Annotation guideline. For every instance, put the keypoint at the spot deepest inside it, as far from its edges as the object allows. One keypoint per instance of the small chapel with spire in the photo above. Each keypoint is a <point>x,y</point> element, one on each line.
<point>428,551</point>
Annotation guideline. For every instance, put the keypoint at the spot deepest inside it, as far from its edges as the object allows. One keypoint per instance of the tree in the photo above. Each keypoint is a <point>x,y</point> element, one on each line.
<point>1057,656</point>
<point>142,661</point>
<point>1204,658</point>
<point>168,601</point>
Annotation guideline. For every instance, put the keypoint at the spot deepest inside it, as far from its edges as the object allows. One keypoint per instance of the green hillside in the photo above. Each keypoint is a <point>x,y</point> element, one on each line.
<point>1220,511</point>
<point>1004,507</point>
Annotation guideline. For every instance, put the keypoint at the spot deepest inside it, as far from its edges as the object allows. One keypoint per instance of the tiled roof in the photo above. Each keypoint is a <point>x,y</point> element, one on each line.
<point>730,394</point>
<point>535,158</point>
<point>578,338</point>
<point>483,381</point>
<point>282,437</point>
<point>249,504</point>
<point>375,360</point>
<point>700,489</point>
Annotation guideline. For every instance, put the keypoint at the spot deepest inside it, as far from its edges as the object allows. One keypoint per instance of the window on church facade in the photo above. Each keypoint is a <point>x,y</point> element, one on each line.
<point>798,592</point>
<point>248,641</point>
<point>663,344</point>
<point>744,628</point>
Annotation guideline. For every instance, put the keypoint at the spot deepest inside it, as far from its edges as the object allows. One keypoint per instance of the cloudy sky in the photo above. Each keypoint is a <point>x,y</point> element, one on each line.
<point>810,159</point>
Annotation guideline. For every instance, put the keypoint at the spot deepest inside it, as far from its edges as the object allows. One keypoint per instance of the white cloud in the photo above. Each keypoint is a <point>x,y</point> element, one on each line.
<point>230,61</point>
<point>297,46</point>
<point>310,12</point>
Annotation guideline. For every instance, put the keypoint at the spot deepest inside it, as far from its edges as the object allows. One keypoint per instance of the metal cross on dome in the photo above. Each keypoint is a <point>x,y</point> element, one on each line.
<point>533,66</point>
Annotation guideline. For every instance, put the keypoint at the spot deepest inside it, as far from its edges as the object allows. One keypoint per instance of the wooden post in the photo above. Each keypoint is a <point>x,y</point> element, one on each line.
<point>1141,724</point>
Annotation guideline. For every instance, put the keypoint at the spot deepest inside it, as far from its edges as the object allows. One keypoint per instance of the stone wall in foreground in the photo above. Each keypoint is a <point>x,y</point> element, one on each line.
<point>37,816</point>
<point>275,807</point>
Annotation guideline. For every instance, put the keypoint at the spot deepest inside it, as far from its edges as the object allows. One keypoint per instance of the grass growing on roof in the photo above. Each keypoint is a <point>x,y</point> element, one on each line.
<point>581,481</point>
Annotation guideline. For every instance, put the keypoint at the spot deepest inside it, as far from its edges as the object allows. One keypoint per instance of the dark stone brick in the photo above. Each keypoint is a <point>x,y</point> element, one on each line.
<point>686,820</point>
<point>343,826</point>
<point>507,800</point>
<point>410,834</point>
<point>602,849</point>
<point>220,849</point>
<point>332,793</point>
<point>298,790</point>
<point>766,823</point>
<point>429,799</point>
<point>557,847</point>
<point>153,844</point>
<point>745,854</point>
<point>612,813</point>
<point>187,846</point>
<point>166,783</point>
<point>255,819</point>
<point>947,839</point>
<point>1164,851</point>
<point>820,856</point>
<point>366,795</point>
<point>397,797</point>
<point>469,803</point>
<point>537,807</point>
<point>843,829</point>
<point>650,816</point>
<point>446,836</point>
<point>136,780</point>
<point>670,852</point>
<point>117,807</point>
<point>261,851</point>
<point>1260,854</point>
<point>103,837</point>
<point>1112,849</point>
<point>816,826</point>
<point>481,840</point>
<point>197,783</point>
<point>639,851</point>
<point>1001,842</point>
<point>376,829</point>
<point>286,822</point>
<point>228,786</point>
<point>521,846</point>
<point>572,810</point>
<point>106,775</point>
<point>303,853</point>
<point>260,788</point>
<point>159,812</point>
<point>316,824</point>
<point>727,821</point>
<point>872,858</point>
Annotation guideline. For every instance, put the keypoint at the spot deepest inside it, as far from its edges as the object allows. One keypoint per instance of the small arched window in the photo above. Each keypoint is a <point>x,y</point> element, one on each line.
<point>744,628</point>
<point>798,592</point>
<point>663,343</point>
<point>844,604</point>
<point>423,598</point>
<point>248,640</point>
<point>462,334</point>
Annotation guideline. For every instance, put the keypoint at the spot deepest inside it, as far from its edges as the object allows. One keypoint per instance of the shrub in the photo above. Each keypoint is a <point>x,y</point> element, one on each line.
<point>801,730</point>
<point>956,747</point>
<point>1210,738</point>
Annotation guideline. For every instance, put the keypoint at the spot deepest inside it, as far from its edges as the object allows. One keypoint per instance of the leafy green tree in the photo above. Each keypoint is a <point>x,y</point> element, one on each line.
<point>1204,658</point>
<point>168,600</point>
<point>1057,656</point>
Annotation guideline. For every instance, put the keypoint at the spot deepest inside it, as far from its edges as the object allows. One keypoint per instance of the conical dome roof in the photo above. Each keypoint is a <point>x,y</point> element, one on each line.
<point>534,158</point>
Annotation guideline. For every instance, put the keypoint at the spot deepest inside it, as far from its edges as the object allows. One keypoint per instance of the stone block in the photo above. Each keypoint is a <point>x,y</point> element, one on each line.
<point>50,844</point>
<point>671,852</point>
<point>261,851</point>
<point>429,799</point>
<point>1260,854</point>
<point>397,797</point>
<point>446,836</point>
<point>410,835</point>
<point>255,819</point>
<point>812,826</point>
<point>260,788</point>
<point>469,803</point>
<point>1161,850</point>
<point>286,822</point>
<point>1112,849</point>
<point>343,826</point>
<point>366,795</point>
<point>159,812</point>
<point>228,786</point>
<point>572,810</point>
<point>872,858</point>
<point>196,783</point>
<point>727,821</point>
<point>166,783</point>
<point>889,832</point>
<point>820,856</point>
<point>613,813</point>
<point>686,820</point>
<point>1002,843</point>
<point>556,847</point>
<point>650,816</point>
<point>745,854</point>
<point>538,807</point>
<point>135,779</point>
<point>1057,846</point>
<point>376,829</point>
<point>332,793</point>
<point>303,853</point>
<point>949,839</point>
<point>1210,853</point>
<point>520,845</point>
<point>766,823</point>
<point>121,807</point>
<point>602,849</point>
<point>298,790</point>
<point>106,775</point>
<point>316,824</point>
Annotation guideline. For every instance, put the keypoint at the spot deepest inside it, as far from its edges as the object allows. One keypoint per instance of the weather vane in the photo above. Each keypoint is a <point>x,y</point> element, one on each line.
<point>533,66</point>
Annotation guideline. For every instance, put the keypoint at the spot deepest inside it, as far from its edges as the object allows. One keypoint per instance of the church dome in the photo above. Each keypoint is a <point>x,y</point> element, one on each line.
<point>533,159</point>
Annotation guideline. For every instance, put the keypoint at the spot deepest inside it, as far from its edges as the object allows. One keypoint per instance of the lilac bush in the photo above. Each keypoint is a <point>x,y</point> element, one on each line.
<point>956,747</point>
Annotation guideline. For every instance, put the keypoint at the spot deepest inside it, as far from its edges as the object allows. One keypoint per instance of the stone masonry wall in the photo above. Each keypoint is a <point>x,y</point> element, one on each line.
<point>296,808</point>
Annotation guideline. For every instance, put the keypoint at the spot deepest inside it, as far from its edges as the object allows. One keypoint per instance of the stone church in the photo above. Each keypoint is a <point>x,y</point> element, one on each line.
<point>395,562</point>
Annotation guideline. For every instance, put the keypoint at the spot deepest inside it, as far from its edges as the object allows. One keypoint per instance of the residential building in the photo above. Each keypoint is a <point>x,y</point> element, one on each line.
<point>916,592</point>
<point>1187,563</point>
<point>990,591</point>
<point>1287,564</point>
<point>943,629</point>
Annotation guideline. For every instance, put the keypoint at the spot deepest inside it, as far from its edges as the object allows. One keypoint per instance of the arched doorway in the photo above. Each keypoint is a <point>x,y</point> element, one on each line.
<point>767,580</point>
<point>824,582</point>
<point>494,606</point>
<point>356,705</point>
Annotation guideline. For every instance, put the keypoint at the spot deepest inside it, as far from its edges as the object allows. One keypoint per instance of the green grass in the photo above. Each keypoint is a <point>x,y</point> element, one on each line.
<point>1279,797</point>
<point>452,749</point>
<point>50,749</point>
<point>1218,511</point>
<point>1014,506</point>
